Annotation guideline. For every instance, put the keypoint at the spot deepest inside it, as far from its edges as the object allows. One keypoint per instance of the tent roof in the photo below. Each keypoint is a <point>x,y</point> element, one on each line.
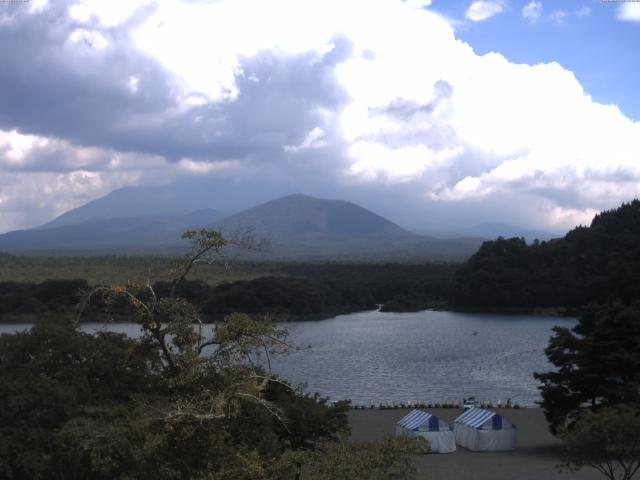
<point>477,417</point>
<point>416,419</point>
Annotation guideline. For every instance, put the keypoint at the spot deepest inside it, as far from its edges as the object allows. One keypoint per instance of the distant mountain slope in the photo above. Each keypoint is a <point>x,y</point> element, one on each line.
<point>590,264</point>
<point>133,202</point>
<point>171,199</point>
<point>299,227</point>
<point>301,215</point>
<point>138,232</point>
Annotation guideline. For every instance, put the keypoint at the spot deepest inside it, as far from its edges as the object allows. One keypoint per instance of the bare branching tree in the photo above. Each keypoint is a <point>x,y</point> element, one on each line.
<point>237,353</point>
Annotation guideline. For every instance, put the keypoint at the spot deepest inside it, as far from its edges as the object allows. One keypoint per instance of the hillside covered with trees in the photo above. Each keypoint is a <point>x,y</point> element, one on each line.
<point>285,292</point>
<point>174,403</point>
<point>592,264</point>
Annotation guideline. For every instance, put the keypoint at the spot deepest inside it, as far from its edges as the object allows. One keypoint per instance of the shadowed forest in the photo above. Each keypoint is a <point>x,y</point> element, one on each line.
<point>594,264</point>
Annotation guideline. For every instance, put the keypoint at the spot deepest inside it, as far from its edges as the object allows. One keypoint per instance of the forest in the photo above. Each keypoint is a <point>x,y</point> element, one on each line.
<point>297,291</point>
<point>174,403</point>
<point>594,264</point>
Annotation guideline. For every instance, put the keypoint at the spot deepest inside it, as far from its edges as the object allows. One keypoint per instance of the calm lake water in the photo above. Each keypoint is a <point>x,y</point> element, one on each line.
<point>380,357</point>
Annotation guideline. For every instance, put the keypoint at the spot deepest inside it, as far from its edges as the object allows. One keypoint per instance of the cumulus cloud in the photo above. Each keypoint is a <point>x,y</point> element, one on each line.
<point>480,10</point>
<point>629,12</point>
<point>558,16</point>
<point>532,11</point>
<point>377,102</point>
<point>583,11</point>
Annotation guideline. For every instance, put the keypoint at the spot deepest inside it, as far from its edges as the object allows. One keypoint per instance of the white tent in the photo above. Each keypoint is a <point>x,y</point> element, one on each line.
<point>419,423</point>
<point>481,430</point>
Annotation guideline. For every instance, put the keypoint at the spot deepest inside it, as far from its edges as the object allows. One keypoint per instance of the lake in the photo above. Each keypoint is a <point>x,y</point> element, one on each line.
<point>430,355</point>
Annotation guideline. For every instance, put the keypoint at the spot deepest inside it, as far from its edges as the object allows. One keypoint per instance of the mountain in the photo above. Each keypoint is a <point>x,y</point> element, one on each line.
<point>306,228</point>
<point>298,226</point>
<point>302,216</point>
<point>136,202</point>
<point>100,235</point>
<point>598,263</point>
<point>169,200</point>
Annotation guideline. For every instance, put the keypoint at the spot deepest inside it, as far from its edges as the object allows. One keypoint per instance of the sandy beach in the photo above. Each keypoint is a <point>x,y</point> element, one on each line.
<point>535,457</point>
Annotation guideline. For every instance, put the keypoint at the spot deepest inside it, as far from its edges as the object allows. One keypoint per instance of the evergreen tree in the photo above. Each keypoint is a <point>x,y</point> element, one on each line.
<point>597,364</point>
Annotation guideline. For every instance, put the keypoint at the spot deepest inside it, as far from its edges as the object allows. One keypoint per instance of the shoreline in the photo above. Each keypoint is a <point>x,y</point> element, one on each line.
<point>535,458</point>
<point>30,318</point>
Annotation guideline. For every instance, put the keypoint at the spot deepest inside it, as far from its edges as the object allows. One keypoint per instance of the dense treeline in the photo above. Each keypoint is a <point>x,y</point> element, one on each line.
<point>300,291</point>
<point>177,402</point>
<point>280,297</point>
<point>50,296</point>
<point>104,406</point>
<point>399,287</point>
<point>592,264</point>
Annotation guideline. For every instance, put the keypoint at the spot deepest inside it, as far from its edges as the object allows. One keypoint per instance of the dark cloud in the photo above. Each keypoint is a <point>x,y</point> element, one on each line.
<point>287,129</point>
<point>403,109</point>
<point>83,97</point>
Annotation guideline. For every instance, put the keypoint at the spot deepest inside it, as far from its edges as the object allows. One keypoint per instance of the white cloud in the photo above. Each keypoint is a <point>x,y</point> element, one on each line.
<point>558,16</point>
<point>532,11</point>
<point>107,14</point>
<point>33,153</point>
<point>191,166</point>
<point>418,3</point>
<point>90,38</point>
<point>583,11</point>
<point>418,109</point>
<point>41,177</point>
<point>480,10</point>
<point>314,139</point>
<point>132,84</point>
<point>37,6</point>
<point>33,198</point>
<point>377,161</point>
<point>629,12</point>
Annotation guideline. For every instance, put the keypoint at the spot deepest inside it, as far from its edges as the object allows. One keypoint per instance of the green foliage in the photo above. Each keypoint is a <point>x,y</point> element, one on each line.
<point>175,403</point>
<point>53,296</point>
<point>398,287</point>
<point>74,405</point>
<point>595,264</point>
<point>606,440</point>
<point>388,459</point>
<point>295,291</point>
<point>597,364</point>
<point>51,375</point>
<point>119,269</point>
<point>286,296</point>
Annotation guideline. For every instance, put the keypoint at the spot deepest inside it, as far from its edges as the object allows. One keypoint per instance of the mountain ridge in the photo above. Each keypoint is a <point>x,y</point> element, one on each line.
<point>300,214</point>
<point>301,227</point>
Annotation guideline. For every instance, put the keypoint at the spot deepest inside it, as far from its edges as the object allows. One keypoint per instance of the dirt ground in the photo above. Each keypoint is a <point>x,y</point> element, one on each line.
<point>535,458</point>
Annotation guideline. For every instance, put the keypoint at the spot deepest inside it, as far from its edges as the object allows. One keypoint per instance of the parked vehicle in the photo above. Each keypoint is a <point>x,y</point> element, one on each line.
<point>469,403</point>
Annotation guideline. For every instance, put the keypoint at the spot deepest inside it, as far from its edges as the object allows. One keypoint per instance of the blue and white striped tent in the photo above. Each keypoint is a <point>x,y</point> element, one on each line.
<point>419,423</point>
<point>484,431</point>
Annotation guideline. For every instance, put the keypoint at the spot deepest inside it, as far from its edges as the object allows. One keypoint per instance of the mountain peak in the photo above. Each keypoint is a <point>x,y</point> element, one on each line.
<point>299,215</point>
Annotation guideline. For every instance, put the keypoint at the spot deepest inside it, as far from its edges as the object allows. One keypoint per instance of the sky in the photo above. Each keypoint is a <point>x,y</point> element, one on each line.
<point>437,114</point>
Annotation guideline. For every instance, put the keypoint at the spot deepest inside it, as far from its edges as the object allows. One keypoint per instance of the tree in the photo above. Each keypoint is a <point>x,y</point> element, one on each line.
<point>176,403</point>
<point>53,374</point>
<point>607,440</point>
<point>599,263</point>
<point>387,459</point>
<point>597,364</point>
